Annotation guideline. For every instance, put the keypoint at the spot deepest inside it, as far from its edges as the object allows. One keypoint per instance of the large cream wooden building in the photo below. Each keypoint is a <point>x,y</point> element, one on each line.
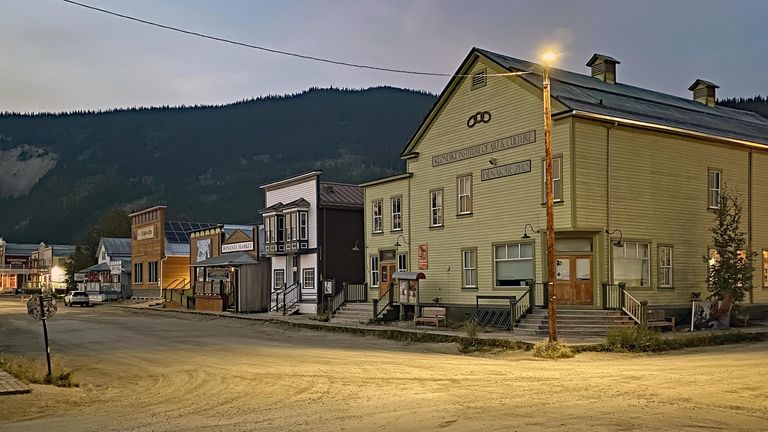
<point>631,164</point>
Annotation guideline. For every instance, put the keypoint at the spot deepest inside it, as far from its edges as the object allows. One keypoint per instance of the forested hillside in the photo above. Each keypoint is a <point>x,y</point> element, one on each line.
<point>59,173</point>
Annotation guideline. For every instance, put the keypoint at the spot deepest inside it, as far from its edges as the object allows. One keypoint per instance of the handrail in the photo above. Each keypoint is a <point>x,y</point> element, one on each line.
<point>389,293</point>
<point>637,310</point>
<point>293,292</point>
<point>613,296</point>
<point>277,293</point>
<point>521,307</point>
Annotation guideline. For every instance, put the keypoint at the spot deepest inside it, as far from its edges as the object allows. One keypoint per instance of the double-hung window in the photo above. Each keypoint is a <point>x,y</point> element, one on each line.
<point>308,278</point>
<point>436,208</point>
<point>513,264</point>
<point>374,271</point>
<point>303,231</point>
<point>138,273</point>
<point>631,264</point>
<point>279,278</point>
<point>153,272</point>
<point>402,262</point>
<point>665,267</point>
<point>713,186</point>
<point>557,179</point>
<point>464,193</point>
<point>377,217</point>
<point>397,214</point>
<point>469,268</point>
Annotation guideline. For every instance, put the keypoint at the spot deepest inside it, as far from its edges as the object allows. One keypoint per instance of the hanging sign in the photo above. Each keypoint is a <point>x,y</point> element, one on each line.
<point>505,170</point>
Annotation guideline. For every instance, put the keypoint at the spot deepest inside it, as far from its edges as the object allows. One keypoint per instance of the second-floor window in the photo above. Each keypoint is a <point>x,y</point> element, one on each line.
<point>557,179</point>
<point>397,214</point>
<point>714,188</point>
<point>436,208</point>
<point>303,225</point>
<point>268,229</point>
<point>294,226</point>
<point>377,217</point>
<point>464,193</point>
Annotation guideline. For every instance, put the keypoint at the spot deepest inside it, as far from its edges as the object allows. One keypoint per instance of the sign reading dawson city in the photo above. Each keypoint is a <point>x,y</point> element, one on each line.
<point>145,233</point>
<point>506,170</point>
<point>237,247</point>
<point>485,148</point>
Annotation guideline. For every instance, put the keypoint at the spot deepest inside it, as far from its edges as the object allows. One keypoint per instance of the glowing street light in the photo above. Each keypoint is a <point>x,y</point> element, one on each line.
<point>548,58</point>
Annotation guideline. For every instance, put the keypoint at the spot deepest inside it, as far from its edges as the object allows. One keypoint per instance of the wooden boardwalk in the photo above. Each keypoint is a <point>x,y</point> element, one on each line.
<point>10,385</point>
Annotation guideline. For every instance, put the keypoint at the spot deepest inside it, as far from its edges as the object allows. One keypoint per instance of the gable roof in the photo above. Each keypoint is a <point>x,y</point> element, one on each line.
<point>584,94</point>
<point>340,195</point>
<point>116,247</point>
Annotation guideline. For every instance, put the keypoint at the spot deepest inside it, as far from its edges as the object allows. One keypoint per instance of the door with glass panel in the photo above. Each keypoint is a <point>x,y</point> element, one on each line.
<point>574,280</point>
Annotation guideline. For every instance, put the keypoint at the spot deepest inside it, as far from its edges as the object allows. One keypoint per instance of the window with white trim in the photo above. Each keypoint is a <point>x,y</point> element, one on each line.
<point>436,207</point>
<point>402,262</point>
<point>377,217</point>
<point>513,264</point>
<point>374,271</point>
<point>397,214</point>
<point>713,186</point>
<point>303,225</point>
<point>631,264</point>
<point>308,278</point>
<point>153,272</point>
<point>268,229</point>
<point>665,267</point>
<point>469,268</point>
<point>279,278</point>
<point>464,194</point>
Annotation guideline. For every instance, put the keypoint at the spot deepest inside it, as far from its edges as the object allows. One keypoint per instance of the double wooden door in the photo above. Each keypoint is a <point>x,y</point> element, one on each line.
<point>385,274</point>
<point>574,280</point>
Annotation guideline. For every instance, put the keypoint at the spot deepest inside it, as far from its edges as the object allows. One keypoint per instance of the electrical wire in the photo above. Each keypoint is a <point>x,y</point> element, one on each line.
<point>277,51</point>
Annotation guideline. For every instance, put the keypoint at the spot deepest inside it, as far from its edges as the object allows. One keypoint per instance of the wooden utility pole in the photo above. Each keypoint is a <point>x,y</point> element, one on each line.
<point>551,260</point>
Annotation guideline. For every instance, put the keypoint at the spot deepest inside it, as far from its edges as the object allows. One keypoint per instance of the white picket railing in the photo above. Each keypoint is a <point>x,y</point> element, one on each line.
<point>637,310</point>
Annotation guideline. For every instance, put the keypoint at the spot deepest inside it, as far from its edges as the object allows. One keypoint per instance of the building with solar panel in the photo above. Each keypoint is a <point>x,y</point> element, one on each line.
<point>160,252</point>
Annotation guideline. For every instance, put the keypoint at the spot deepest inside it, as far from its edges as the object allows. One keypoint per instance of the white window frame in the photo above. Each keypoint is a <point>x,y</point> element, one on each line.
<point>436,208</point>
<point>469,270</point>
<point>275,279</point>
<point>377,217</point>
<point>397,213</point>
<point>497,260</point>
<point>303,225</point>
<point>464,194</point>
<point>402,262</point>
<point>268,229</point>
<point>557,178</point>
<point>714,188</point>
<point>666,265</point>
<point>304,273</point>
<point>623,256</point>
<point>374,275</point>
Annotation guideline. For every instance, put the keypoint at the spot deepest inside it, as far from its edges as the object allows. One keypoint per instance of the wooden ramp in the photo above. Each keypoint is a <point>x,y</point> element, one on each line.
<point>10,385</point>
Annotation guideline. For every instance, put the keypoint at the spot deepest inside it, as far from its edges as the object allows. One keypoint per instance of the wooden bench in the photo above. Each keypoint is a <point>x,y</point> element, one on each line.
<point>431,315</point>
<point>659,319</point>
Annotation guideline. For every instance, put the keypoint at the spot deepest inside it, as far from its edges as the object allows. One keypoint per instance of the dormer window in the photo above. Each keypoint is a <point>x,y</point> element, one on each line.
<point>479,79</point>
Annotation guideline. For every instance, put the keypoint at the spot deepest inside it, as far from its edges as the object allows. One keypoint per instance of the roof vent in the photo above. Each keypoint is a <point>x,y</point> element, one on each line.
<point>603,68</point>
<point>329,189</point>
<point>704,92</point>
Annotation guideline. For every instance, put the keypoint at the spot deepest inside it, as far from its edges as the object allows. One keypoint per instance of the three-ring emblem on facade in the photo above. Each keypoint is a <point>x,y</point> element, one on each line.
<point>478,117</point>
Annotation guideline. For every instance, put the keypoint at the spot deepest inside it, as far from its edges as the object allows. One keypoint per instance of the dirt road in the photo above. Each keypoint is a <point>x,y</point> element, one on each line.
<point>168,372</point>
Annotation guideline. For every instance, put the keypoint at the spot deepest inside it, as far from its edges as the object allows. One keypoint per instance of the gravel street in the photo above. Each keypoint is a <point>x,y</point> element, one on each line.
<point>144,371</point>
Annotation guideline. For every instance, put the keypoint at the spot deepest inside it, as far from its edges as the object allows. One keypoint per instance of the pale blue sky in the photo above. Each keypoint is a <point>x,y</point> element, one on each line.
<point>54,56</point>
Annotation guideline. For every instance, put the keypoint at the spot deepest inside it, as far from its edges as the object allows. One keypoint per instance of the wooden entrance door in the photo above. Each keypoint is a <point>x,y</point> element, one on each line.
<point>574,280</point>
<point>385,274</point>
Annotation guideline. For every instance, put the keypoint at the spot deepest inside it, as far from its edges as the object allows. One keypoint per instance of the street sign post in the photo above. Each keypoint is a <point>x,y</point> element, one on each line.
<point>41,307</point>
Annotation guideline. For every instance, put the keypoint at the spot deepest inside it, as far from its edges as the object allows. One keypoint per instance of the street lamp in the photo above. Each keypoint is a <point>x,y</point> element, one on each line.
<point>397,241</point>
<point>618,242</point>
<point>548,58</point>
<point>356,248</point>
<point>525,231</point>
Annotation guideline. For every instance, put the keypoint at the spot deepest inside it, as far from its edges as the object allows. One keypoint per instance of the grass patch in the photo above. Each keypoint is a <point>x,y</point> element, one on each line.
<point>322,317</point>
<point>636,339</point>
<point>34,372</point>
<point>552,350</point>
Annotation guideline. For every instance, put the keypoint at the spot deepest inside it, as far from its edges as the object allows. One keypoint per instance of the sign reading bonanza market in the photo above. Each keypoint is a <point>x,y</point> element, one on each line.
<point>237,247</point>
<point>505,170</point>
<point>485,148</point>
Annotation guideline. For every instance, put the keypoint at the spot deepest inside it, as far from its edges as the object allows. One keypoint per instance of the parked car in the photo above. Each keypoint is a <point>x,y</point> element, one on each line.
<point>77,298</point>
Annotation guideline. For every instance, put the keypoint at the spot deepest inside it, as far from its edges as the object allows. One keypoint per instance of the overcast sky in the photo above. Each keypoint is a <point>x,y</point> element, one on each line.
<point>55,56</point>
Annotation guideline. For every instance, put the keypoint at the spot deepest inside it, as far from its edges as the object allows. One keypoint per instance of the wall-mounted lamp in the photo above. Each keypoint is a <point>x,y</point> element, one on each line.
<point>618,242</point>
<point>356,248</point>
<point>397,242</point>
<point>493,161</point>
<point>525,231</point>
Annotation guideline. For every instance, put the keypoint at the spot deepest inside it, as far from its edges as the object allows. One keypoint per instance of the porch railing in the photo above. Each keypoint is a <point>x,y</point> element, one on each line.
<point>637,310</point>
<point>539,294</point>
<point>291,296</point>
<point>357,292</point>
<point>612,296</point>
<point>388,297</point>
<point>521,307</point>
<point>277,296</point>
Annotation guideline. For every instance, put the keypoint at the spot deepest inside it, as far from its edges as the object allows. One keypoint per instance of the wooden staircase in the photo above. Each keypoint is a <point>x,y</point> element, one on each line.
<point>574,322</point>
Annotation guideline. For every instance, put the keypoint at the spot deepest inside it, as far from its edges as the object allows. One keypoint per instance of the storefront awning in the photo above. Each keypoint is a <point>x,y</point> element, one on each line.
<point>404,275</point>
<point>228,259</point>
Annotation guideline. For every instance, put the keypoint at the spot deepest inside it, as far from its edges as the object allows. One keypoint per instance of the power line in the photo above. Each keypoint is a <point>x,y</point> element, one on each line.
<point>276,51</point>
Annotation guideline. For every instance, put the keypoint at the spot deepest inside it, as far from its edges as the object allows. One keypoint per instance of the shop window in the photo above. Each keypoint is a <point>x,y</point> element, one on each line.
<point>397,214</point>
<point>665,267</point>
<point>279,277</point>
<point>464,194</point>
<point>374,271</point>
<point>713,186</point>
<point>153,272</point>
<point>436,207</point>
<point>138,273</point>
<point>303,225</point>
<point>402,262</point>
<point>469,268</point>
<point>308,278</point>
<point>377,217</point>
<point>513,264</point>
<point>631,264</point>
